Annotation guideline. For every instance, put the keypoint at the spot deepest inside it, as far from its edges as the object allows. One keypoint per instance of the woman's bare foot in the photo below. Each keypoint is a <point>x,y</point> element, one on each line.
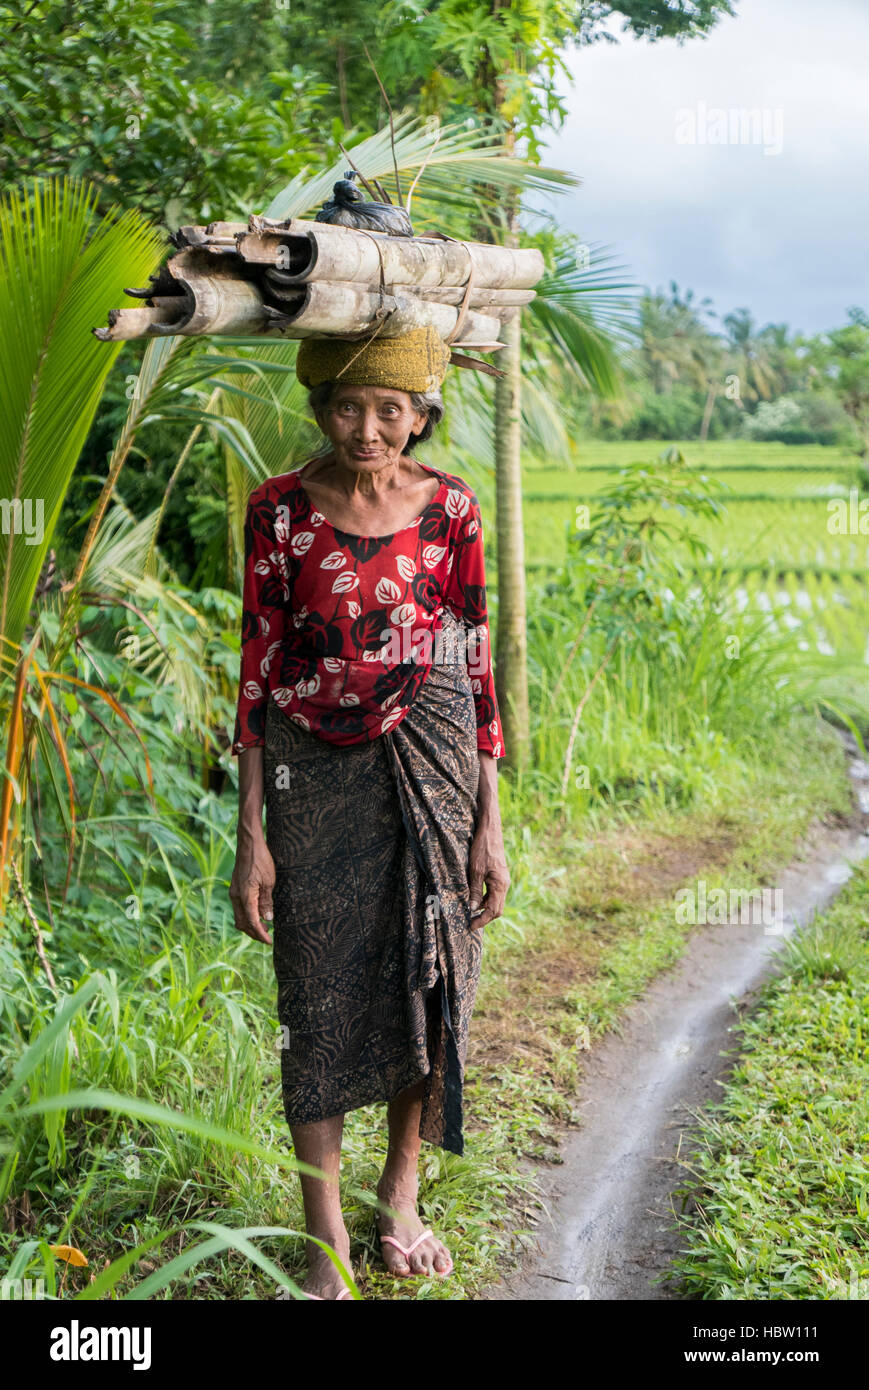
<point>323,1278</point>
<point>431,1256</point>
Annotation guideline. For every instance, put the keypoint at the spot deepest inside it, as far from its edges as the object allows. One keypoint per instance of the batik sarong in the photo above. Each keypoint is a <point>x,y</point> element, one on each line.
<point>377,964</point>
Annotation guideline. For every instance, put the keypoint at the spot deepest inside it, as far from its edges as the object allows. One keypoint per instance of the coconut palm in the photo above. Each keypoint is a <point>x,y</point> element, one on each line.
<point>59,267</point>
<point>754,355</point>
<point>674,340</point>
<point>580,315</point>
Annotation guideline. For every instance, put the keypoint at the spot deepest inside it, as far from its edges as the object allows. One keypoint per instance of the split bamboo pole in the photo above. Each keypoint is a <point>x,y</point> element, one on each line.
<point>221,305</point>
<point>301,279</point>
<point>324,251</point>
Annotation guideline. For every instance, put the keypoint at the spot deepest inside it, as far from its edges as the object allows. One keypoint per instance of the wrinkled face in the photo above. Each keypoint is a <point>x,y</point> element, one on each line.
<point>369,426</point>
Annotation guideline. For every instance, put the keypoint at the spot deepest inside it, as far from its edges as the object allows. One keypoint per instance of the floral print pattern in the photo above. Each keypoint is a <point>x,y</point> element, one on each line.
<point>342,630</point>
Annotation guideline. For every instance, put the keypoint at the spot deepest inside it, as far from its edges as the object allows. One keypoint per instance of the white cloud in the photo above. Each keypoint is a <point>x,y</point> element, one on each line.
<point>782,233</point>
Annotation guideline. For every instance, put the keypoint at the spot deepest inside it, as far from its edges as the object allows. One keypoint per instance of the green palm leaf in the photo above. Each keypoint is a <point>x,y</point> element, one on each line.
<point>182,379</point>
<point>59,268</point>
<point>581,313</point>
<point>467,156</point>
<point>273,413</point>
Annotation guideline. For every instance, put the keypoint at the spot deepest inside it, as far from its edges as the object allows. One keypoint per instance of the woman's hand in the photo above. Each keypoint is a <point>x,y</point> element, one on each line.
<point>487,865</point>
<point>250,888</point>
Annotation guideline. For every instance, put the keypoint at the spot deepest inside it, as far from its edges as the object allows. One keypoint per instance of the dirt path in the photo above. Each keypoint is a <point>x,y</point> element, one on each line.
<point>609,1233</point>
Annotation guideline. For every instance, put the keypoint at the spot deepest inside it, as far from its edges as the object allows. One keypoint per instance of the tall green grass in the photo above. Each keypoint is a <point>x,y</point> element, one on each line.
<point>778,1197</point>
<point>698,670</point>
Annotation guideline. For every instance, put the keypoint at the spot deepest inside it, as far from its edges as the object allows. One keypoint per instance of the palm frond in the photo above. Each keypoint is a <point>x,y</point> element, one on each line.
<point>580,313</point>
<point>58,270</point>
<point>121,551</point>
<point>462,156</point>
<point>181,379</point>
<point>273,413</point>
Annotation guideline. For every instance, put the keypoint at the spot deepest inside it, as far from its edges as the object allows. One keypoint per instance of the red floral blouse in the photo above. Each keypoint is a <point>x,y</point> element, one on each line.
<point>342,629</point>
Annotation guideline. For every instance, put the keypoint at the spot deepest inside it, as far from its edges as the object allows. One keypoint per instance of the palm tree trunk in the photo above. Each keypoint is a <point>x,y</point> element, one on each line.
<point>511,647</point>
<point>707,413</point>
<point>511,669</point>
<point>341,63</point>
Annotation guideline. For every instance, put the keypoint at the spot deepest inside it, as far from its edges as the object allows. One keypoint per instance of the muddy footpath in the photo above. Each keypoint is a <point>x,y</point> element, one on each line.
<point>608,1229</point>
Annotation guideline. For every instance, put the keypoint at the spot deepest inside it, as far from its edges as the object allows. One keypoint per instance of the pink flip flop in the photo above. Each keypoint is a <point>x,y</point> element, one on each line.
<point>406,1252</point>
<point>345,1293</point>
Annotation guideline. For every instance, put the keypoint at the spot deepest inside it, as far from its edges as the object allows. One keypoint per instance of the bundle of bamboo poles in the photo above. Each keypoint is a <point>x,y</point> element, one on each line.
<point>300,279</point>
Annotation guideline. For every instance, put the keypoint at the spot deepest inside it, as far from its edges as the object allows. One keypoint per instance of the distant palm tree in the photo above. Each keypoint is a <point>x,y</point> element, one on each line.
<point>754,354</point>
<point>790,370</point>
<point>674,342</point>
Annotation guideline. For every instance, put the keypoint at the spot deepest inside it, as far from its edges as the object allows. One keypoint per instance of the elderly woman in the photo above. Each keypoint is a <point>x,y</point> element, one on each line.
<point>368,728</point>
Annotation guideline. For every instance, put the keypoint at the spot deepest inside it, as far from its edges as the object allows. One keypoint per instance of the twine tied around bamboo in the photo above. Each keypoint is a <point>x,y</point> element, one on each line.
<point>383,314</point>
<point>461,359</point>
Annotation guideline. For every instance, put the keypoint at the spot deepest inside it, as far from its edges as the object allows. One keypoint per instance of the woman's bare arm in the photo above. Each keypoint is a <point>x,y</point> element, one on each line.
<point>251,794</point>
<point>253,877</point>
<point>487,863</point>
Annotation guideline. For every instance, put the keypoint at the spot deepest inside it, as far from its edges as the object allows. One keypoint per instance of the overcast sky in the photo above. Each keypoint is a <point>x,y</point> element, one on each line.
<point>785,233</point>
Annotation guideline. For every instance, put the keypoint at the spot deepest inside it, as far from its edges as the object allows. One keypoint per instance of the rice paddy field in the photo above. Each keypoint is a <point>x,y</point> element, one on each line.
<point>780,539</point>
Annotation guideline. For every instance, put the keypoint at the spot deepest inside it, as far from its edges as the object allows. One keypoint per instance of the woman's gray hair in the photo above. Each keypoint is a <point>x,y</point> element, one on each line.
<point>427,403</point>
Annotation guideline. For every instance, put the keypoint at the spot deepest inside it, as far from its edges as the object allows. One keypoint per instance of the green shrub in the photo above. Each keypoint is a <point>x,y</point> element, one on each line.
<point>804,417</point>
